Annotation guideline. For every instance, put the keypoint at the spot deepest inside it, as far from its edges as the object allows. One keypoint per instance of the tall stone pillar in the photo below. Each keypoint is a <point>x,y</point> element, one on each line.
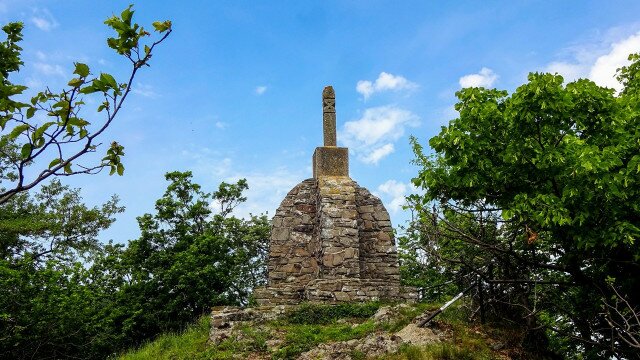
<point>329,116</point>
<point>330,160</point>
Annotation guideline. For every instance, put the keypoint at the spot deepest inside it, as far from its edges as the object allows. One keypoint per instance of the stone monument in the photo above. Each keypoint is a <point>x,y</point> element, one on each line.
<point>331,239</point>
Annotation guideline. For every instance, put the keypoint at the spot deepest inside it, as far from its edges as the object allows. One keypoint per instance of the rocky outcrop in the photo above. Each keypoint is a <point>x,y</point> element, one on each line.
<point>225,320</point>
<point>228,322</point>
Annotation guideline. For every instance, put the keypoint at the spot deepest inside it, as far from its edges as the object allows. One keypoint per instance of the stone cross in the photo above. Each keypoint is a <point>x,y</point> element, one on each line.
<point>329,116</point>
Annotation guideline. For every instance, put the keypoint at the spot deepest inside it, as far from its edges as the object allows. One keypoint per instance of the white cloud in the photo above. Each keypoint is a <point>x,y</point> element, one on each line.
<point>604,70</point>
<point>570,71</point>
<point>34,83</point>
<point>384,82</point>
<point>596,62</point>
<point>45,65</point>
<point>395,192</point>
<point>365,87</point>
<point>371,137</point>
<point>49,69</point>
<point>145,90</point>
<point>260,90</point>
<point>485,78</point>
<point>41,56</point>
<point>378,153</point>
<point>266,188</point>
<point>221,124</point>
<point>43,20</point>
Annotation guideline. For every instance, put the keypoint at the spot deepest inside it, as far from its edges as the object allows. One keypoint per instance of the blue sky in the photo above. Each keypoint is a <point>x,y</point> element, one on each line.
<point>235,92</point>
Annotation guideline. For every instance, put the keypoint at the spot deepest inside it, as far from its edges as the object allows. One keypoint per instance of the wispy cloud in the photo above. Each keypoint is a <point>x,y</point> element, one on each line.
<point>221,124</point>
<point>394,194</point>
<point>34,83</point>
<point>43,19</point>
<point>145,90</point>
<point>49,69</point>
<point>570,71</point>
<point>384,82</point>
<point>600,68</point>
<point>259,90</point>
<point>266,188</point>
<point>485,78</point>
<point>378,153</point>
<point>372,136</point>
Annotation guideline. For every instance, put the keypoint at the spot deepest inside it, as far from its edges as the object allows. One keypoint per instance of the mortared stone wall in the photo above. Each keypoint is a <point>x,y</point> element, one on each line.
<point>331,241</point>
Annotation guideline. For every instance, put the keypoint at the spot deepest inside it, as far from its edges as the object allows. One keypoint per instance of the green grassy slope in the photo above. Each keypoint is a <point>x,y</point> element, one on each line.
<point>311,325</point>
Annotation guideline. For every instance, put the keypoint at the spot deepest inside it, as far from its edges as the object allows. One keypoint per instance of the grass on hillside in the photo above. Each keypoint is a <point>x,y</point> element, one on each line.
<point>310,325</point>
<point>189,344</point>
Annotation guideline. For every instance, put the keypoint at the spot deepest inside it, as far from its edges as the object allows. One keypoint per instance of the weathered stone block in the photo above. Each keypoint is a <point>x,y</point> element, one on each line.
<point>280,233</point>
<point>330,161</point>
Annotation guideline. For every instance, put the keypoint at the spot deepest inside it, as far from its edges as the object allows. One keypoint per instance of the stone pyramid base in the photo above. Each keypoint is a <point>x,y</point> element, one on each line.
<point>335,291</point>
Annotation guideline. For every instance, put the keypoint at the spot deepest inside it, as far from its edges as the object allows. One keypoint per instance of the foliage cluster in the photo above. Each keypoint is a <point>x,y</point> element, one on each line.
<point>66,295</point>
<point>46,135</point>
<point>536,197</point>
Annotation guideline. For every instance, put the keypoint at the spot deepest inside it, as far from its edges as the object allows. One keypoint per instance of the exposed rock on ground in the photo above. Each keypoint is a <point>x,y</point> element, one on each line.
<point>379,343</point>
<point>226,319</point>
<point>419,336</point>
<point>227,323</point>
<point>388,313</point>
<point>370,346</point>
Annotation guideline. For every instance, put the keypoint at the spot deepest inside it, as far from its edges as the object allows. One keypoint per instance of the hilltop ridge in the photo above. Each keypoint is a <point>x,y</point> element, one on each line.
<point>346,331</point>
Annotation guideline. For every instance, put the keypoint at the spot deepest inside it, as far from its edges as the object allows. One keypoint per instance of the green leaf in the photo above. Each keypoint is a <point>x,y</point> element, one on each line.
<point>54,162</point>
<point>39,143</point>
<point>18,130</point>
<point>40,131</point>
<point>120,168</point>
<point>161,26</point>
<point>67,168</point>
<point>3,121</point>
<point>81,69</point>
<point>30,112</point>
<point>25,151</point>
<point>127,14</point>
<point>113,43</point>
<point>108,79</point>
<point>90,89</point>
<point>75,82</point>
<point>74,121</point>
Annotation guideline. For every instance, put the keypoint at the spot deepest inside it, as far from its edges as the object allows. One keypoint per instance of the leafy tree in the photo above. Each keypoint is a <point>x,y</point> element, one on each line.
<point>46,307</point>
<point>53,223</point>
<point>65,295</point>
<point>56,146</point>
<point>187,259</point>
<point>559,164</point>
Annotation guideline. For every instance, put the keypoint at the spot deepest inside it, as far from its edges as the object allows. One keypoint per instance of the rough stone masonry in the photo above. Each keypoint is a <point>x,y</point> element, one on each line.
<point>331,239</point>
